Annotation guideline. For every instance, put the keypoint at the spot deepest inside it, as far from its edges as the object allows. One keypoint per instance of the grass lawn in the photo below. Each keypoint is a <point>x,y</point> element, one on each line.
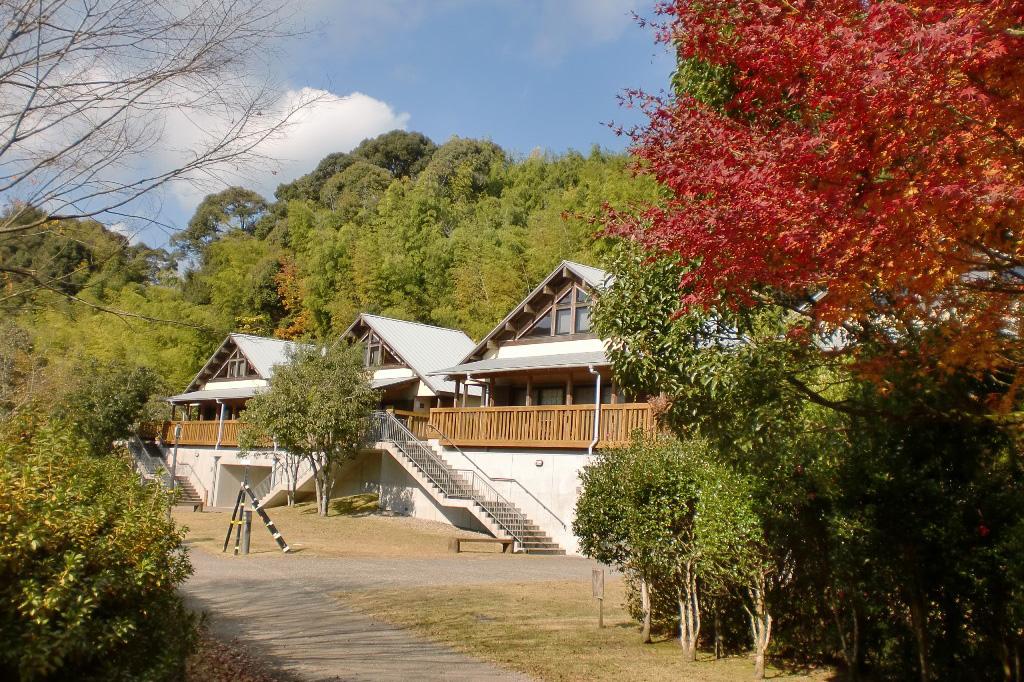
<point>354,529</point>
<point>549,631</point>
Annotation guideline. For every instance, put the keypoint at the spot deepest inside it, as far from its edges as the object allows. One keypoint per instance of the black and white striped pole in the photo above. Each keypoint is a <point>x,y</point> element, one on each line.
<point>239,518</point>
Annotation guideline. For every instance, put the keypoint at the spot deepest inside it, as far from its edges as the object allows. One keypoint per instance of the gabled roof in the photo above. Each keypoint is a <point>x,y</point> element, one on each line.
<point>594,278</point>
<point>261,352</point>
<point>422,347</point>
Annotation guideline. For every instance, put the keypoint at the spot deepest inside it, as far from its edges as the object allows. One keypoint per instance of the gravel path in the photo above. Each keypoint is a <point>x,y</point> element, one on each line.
<point>282,606</point>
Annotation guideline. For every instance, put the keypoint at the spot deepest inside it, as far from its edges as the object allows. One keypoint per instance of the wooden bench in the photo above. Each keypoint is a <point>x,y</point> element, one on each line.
<point>455,544</point>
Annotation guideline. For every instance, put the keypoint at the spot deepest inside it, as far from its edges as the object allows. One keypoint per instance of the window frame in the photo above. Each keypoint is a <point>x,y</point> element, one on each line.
<point>229,370</point>
<point>573,293</point>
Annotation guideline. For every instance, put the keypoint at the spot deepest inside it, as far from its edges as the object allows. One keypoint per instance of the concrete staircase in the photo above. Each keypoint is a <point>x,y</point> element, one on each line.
<point>187,496</point>
<point>463,488</point>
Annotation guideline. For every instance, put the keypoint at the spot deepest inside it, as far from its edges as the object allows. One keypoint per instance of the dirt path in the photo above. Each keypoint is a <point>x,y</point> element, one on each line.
<point>281,605</point>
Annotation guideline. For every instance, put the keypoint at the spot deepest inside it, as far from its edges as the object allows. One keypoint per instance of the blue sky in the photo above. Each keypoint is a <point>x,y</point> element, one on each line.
<point>526,74</point>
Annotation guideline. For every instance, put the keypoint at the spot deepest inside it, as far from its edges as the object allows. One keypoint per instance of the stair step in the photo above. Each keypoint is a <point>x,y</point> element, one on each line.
<point>546,552</point>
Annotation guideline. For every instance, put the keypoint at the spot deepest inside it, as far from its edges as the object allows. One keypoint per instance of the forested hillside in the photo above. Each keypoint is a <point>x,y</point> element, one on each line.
<point>451,234</point>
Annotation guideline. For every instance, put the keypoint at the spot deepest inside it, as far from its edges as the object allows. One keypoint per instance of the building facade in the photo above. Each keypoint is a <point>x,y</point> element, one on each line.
<point>488,436</point>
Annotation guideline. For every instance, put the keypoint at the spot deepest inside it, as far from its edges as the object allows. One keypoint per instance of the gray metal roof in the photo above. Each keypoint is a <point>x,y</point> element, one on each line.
<point>423,347</point>
<point>261,352</point>
<point>497,365</point>
<point>215,394</point>
<point>595,277</point>
<point>265,353</point>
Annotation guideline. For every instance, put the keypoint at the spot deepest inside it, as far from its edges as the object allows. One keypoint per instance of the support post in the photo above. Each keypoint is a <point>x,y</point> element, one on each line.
<point>568,390</point>
<point>597,410</point>
<point>220,424</point>
<point>174,456</point>
<point>246,531</point>
<point>529,390</point>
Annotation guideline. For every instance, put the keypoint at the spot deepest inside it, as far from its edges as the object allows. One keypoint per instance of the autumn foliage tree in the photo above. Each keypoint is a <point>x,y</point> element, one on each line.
<point>869,151</point>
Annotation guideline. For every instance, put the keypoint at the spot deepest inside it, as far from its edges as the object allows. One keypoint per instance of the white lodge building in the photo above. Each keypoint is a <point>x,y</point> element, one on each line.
<point>489,436</point>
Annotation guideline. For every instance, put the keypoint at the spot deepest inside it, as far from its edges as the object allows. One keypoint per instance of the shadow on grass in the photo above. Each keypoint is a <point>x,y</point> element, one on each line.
<point>365,504</point>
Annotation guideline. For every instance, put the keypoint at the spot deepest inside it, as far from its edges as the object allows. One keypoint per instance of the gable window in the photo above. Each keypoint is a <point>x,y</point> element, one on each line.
<point>236,367</point>
<point>542,327</point>
<point>582,316</point>
<point>376,353</point>
<point>569,314</point>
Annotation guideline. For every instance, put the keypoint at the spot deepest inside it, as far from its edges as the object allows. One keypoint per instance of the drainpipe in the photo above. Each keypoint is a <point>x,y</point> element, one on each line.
<point>597,410</point>
<point>220,424</point>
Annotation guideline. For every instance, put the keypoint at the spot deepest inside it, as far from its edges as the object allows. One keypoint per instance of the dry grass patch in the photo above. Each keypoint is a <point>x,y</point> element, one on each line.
<point>549,631</point>
<point>362,532</point>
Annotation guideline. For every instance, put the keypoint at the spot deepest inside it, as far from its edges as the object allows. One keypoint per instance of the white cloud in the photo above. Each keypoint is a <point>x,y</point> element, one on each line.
<point>332,123</point>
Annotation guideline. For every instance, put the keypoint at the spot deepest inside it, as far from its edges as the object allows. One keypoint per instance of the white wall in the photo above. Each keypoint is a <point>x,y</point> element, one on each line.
<point>199,465</point>
<point>402,494</point>
<point>524,350</point>
<point>555,483</point>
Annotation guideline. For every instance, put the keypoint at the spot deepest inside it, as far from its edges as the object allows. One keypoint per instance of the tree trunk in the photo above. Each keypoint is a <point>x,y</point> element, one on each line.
<point>327,487</point>
<point>919,624</point>
<point>689,614</point>
<point>719,649</point>
<point>293,479</point>
<point>645,606</point>
<point>849,645</point>
<point>760,626</point>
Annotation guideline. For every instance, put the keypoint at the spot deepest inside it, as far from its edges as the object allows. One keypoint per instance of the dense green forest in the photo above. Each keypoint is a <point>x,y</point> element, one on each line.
<point>452,234</point>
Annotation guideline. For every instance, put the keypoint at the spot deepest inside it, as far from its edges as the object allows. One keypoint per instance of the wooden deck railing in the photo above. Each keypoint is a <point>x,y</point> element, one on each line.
<point>551,426</point>
<point>201,433</point>
<point>416,422</point>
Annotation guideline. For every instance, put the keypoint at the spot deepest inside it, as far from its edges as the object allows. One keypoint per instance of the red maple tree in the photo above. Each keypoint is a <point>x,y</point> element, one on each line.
<point>873,149</point>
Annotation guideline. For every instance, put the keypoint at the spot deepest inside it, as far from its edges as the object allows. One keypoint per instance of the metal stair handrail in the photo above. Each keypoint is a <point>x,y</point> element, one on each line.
<point>144,461</point>
<point>451,443</point>
<point>456,483</point>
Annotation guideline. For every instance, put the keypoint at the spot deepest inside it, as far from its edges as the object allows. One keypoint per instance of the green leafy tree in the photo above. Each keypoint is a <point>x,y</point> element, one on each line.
<point>403,154</point>
<point>666,513</point>
<point>317,408</point>
<point>357,188</point>
<point>234,208</point>
<point>106,401</point>
<point>877,503</point>
<point>91,565</point>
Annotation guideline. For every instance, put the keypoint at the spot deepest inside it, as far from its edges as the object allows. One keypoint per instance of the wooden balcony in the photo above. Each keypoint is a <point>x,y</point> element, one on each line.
<point>548,426</point>
<point>200,433</point>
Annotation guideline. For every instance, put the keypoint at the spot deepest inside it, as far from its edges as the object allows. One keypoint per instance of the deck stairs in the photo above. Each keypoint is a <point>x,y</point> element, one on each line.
<point>149,462</point>
<point>188,496</point>
<point>466,488</point>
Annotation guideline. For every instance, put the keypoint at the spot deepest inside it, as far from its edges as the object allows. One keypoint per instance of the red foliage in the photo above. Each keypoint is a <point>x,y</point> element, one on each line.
<point>870,147</point>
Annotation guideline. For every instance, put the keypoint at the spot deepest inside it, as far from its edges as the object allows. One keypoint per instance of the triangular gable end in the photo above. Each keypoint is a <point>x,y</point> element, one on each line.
<point>563,280</point>
<point>419,347</point>
<point>361,329</point>
<point>227,350</point>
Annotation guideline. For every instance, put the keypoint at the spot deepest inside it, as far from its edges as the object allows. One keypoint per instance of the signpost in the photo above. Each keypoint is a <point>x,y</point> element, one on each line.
<point>597,583</point>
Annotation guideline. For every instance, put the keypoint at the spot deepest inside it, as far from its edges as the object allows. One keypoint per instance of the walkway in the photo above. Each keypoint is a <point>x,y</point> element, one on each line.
<point>282,606</point>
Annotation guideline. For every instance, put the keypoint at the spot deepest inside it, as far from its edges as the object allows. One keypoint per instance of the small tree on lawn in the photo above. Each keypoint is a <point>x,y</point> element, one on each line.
<point>317,408</point>
<point>667,513</point>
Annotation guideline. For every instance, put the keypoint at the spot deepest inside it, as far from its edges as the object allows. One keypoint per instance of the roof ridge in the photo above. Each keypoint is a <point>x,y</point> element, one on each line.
<point>262,338</point>
<point>421,324</point>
